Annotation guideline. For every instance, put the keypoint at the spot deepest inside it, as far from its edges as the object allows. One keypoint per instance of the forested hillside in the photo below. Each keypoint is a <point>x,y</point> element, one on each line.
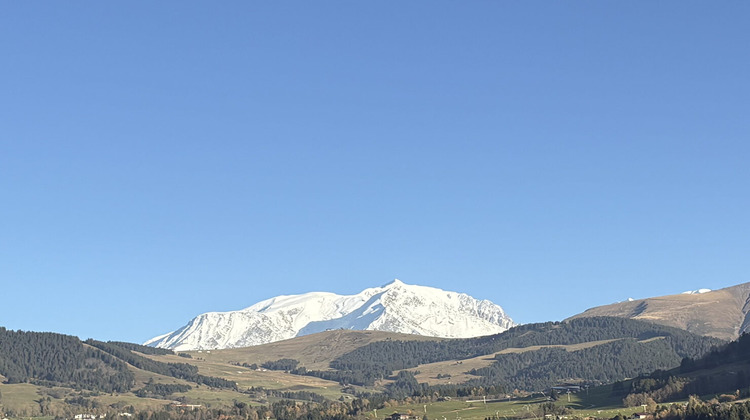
<point>57,359</point>
<point>544,368</point>
<point>597,350</point>
<point>175,370</point>
<point>724,370</point>
<point>529,370</point>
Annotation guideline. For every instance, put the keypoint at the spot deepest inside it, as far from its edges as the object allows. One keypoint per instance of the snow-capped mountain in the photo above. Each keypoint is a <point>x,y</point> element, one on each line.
<point>395,307</point>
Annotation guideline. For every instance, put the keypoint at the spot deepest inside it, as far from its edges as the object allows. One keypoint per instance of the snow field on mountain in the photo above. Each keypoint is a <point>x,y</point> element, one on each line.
<point>395,307</point>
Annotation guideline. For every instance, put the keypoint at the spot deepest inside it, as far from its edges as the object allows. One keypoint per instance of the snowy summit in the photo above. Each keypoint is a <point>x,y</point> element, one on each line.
<point>395,307</point>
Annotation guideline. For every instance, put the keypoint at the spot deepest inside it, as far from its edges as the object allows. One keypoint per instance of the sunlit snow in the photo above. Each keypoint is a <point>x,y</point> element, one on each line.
<point>395,307</point>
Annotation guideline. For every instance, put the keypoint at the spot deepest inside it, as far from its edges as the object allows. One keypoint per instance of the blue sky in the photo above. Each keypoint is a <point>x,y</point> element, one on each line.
<point>158,161</point>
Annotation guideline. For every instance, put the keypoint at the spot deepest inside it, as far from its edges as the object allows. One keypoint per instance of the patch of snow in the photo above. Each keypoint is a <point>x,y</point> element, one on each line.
<point>696,292</point>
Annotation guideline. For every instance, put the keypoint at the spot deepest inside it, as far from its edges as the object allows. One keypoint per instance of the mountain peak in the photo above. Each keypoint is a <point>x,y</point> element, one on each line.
<point>394,307</point>
<point>394,283</point>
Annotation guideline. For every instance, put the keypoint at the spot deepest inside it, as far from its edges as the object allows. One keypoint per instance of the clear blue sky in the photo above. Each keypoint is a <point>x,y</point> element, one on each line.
<point>163,159</point>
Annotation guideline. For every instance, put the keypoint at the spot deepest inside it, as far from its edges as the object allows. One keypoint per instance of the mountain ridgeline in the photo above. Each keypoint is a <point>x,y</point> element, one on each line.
<point>723,313</point>
<point>394,307</point>
<point>617,348</point>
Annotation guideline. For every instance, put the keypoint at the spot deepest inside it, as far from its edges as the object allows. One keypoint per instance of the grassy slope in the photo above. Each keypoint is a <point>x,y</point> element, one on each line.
<point>314,351</point>
<point>246,378</point>
<point>718,313</point>
<point>455,368</point>
<point>516,407</point>
<point>24,396</point>
<point>18,396</point>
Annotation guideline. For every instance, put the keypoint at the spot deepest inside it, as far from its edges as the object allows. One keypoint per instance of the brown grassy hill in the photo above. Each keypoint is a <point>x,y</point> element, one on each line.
<point>314,351</point>
<point>721,313</point>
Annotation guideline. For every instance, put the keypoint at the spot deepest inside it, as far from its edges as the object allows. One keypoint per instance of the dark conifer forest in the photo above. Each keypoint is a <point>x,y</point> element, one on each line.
<point>48,358</point>
<point>57,359</point>
<point>638,347</point>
